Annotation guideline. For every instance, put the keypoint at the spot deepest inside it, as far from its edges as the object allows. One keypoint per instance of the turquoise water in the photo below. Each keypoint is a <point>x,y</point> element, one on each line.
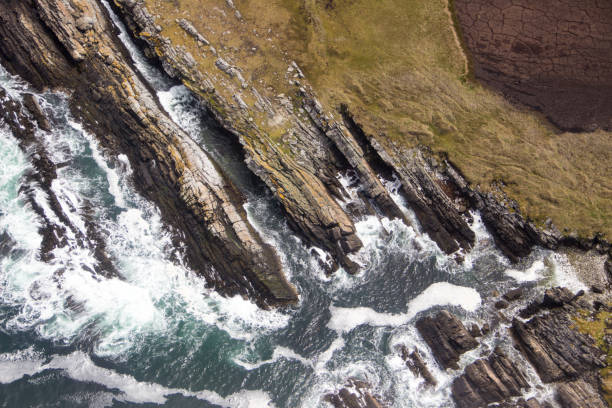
<point>155,335</point>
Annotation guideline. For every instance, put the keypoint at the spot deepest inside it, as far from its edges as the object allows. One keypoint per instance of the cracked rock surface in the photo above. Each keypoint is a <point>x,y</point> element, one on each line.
<point>553,55</point>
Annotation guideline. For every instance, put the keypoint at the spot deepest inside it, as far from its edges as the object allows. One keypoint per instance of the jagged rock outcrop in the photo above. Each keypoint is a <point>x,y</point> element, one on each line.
<point>447,338</point>
<point>557,351</point>
<point>483,382</point>
<point>513,235</point>
<point>303,176</point>
<point>417,365</point>
<point>297,145</point>
<point>71,45</point>
<point>553,341</point>
<point>356,394</point>
<point>53,227</point>
<point>578,394</point>
<point>555,56</point>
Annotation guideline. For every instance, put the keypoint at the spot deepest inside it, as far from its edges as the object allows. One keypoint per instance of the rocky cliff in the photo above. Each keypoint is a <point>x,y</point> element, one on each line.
<point>72,46</point>
<point>550,340</point>
<point>238,59</point>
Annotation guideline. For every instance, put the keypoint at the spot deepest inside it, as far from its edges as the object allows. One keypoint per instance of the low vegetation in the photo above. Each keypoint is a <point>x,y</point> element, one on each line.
<point>398,67</point>
<point>598,326</point>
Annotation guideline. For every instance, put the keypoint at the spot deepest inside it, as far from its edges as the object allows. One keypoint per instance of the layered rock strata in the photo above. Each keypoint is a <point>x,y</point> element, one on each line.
<point>316,143</point>
<point>447,337</point>
<point>487,381</point>
<point>296,145</point>
<point>22,120</point>
<point>550,341</point>
<point>71,45</point>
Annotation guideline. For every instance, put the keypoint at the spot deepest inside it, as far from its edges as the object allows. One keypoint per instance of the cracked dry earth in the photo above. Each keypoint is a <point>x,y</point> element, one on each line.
<point>552,55</point>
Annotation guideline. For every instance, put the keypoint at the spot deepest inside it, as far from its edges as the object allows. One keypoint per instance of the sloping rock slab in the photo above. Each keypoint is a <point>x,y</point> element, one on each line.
<point>556,350</point>
<point>578,394</point>
<point>487,381</point>
<point>447,337</point>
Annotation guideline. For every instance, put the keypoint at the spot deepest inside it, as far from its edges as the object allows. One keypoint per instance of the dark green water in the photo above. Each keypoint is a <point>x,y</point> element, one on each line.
<point>156,336</point>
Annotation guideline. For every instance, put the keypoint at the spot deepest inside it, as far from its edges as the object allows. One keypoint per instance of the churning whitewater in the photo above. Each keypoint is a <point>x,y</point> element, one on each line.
<point>154,334</point>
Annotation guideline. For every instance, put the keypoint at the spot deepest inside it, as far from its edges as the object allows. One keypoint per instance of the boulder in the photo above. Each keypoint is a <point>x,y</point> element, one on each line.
<point>475,330</point>
<point>447,337</point>
<point>501,304</point>
<point>514,294</point>
<point>417,365</point>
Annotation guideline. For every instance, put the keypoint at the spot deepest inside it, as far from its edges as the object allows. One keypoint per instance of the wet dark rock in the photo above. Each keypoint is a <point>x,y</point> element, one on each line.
<point>475,330</point>
<point>417,365</point>
<point>531,309</point>
<point>356,394</point>
<point>486,329</point>
<point>31,103</point>
<point>599,289</point>
<point>487,381</point>
<point>555,349</point>
<point>501,304</point>
<point>578,394</point>
<point>7,243</point>
<point>514,294</point>
<point>447,338</point>
<point>513,235</point>
<point>557,297</point>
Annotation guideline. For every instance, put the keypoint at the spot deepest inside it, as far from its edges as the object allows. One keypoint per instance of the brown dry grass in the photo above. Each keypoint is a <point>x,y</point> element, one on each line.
<point>398,67</point>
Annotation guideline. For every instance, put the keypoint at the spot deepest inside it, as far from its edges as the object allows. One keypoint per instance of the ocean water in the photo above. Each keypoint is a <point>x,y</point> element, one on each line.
<point>156,336</point>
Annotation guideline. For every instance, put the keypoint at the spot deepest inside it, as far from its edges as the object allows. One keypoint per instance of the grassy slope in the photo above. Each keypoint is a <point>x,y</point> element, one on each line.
<point>598,325</point>
<point>398,66</point>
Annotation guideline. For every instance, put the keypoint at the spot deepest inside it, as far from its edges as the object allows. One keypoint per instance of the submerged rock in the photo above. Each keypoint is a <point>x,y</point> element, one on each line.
<point>356,394</point>
<point>417,365</point>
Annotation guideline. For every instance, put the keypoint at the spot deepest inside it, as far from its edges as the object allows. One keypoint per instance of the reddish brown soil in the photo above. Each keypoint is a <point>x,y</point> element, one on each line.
<point>552,55</point>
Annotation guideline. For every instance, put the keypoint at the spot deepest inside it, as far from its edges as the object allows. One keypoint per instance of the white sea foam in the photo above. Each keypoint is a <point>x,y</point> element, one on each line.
<point>445,294</point>
<point>533,273</point>
<point>323,358</point>
<point>154,292</point>
<point>80,367</point>
<point>16,365</point>
<point>23,222</point>
<point>549,268</point>
<point>438,294</point>
<point>279,352</point>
